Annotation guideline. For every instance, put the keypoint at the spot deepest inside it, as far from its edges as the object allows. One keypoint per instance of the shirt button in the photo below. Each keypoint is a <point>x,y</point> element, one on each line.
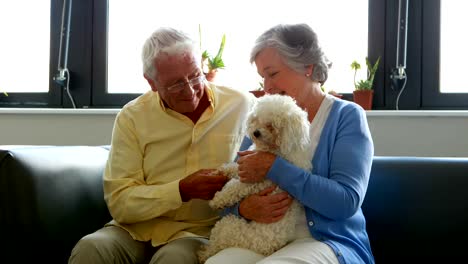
<point>311,223</point>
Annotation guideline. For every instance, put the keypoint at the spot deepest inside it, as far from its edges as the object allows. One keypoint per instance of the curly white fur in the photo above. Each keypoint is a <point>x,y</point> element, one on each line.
<point>276,124</point>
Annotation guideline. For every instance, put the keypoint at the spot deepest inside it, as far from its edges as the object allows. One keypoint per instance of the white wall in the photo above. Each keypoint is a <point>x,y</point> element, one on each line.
<point>403,133</point>
<point>56,127</point>
<point>419,133</point>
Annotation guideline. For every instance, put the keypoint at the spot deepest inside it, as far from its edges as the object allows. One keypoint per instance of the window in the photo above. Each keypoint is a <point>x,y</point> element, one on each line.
<point>452,79</point>
<point>24,49</point>
<point>444,53</point>
<point>107,36</point>
<point>25,54</point>
<point>130,25</point>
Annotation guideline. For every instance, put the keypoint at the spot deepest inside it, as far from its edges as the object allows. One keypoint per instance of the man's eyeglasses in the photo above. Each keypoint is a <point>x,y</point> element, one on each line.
<point>181,85</point>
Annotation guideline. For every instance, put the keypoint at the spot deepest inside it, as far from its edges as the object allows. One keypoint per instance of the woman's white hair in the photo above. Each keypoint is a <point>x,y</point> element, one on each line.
<point>299,47</point>
<point>167,40</point>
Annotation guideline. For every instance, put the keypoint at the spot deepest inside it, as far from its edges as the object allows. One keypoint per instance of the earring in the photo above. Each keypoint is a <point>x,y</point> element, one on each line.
<point>308,74</point>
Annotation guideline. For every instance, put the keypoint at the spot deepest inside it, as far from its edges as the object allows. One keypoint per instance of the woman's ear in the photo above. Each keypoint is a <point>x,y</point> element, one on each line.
<point>309,70</point>
<point>151,82</point>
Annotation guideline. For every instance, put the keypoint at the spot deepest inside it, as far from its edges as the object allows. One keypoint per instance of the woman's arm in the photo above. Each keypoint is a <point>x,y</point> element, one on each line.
<point>339,194</point>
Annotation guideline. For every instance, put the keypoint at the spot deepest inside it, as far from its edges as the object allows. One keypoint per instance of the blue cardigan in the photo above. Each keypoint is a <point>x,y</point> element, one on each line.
<point>332,194</point>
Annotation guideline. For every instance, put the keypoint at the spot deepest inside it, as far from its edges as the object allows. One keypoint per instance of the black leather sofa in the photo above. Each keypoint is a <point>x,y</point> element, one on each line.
<point>51,196</point>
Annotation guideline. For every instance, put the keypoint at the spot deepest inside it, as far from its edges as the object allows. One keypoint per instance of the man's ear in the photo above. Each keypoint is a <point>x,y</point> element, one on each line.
<point>151,82</point>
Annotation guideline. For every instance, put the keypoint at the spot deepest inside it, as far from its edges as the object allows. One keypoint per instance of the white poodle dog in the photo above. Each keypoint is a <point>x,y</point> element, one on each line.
<point>277,125</point>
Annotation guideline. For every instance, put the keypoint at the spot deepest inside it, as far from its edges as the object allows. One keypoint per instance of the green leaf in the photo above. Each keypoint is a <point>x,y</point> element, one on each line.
<point>221,47</point>
<point>205,55</point>
<point>364,85</point>
<point>215,63</point>
<point>371,70</point>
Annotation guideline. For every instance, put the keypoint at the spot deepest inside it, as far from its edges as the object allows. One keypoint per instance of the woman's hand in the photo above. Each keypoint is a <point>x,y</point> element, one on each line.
<point>254,165</point>
<point>265,208</point>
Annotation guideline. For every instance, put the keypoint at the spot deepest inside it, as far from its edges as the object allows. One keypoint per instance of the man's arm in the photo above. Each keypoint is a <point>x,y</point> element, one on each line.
<point>129,198</point>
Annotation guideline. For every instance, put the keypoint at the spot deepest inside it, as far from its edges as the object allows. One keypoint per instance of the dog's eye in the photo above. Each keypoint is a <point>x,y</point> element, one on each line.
<point>257,133</point>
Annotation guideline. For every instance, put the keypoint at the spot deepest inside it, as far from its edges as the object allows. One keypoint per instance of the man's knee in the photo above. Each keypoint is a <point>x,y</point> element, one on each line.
<point>173,255</point>
<point>170,254</point>
<point>109,245</point>
<point>178,251</point>
<point>90,249</point>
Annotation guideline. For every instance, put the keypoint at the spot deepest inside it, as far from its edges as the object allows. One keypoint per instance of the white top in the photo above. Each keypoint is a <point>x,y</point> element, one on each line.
<point>316,127</point>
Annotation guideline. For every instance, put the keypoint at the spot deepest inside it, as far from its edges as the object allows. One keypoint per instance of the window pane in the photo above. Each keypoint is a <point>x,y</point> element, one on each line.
<point>342,32</point>
<point>453,45</point>
<point>24,48</point>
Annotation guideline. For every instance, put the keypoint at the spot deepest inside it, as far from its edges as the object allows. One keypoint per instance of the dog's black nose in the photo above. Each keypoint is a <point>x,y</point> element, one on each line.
<point>256,133</point>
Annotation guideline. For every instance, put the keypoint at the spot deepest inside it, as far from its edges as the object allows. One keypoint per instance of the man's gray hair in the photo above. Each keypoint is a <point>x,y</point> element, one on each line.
<point>167,40</point>
<point>299,47</point>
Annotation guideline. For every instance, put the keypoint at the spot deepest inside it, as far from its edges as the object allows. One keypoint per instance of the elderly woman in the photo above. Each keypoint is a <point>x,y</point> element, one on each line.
<point>333,228</point>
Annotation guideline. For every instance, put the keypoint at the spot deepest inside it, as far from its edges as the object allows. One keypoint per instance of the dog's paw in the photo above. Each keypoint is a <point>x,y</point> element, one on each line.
<point>232,192</point>
<point>203,254</point>
<point>229,169</point>
<point>219,201</point>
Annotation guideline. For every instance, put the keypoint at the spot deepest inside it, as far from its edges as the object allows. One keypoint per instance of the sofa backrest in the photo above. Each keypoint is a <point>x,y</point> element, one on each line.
<point>50,196</point>
<point>416,209</point>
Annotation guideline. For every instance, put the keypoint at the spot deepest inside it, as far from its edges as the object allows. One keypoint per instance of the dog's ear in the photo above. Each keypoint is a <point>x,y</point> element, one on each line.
<point>252,114</point>
<point>294,133</point>
<point>248,124</point>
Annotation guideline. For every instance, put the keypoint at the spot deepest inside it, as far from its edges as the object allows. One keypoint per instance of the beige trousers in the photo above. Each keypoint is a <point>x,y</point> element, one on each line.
<point>300,251</point>
<point>114,245</point>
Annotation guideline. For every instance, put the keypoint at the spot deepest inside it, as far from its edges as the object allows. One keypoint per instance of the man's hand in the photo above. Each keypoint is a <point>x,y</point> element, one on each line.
<point>202,184</point>
<point>265,208</point>
<point>254,165</point>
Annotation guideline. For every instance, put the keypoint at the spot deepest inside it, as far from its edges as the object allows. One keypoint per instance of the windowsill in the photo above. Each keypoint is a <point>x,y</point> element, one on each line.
<point>417,113</point>
<point>113,111</point>
<point>59,111</point>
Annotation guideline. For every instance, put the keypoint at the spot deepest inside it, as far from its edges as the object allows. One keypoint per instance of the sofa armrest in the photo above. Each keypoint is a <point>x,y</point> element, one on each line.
<point>416,209</point>
<point>50,196</point>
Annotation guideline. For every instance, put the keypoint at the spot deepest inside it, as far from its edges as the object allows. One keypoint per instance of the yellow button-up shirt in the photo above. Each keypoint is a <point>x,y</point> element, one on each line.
<point>154,147</point>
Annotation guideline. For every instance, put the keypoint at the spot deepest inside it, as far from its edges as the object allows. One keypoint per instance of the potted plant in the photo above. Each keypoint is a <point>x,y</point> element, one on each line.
<point>363,89</point>
<point>210,65</point>
<point>331,92</point>
<point>259,92</point>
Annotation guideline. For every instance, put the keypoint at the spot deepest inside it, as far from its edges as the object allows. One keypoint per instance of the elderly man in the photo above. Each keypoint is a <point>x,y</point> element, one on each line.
<point>165,146</point>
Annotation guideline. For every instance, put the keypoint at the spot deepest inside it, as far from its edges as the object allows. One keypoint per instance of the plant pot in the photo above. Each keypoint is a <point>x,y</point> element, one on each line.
<point>337,95</point>
<point>258,93</point>
<point>210,76</point>
<point>364,98</point>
